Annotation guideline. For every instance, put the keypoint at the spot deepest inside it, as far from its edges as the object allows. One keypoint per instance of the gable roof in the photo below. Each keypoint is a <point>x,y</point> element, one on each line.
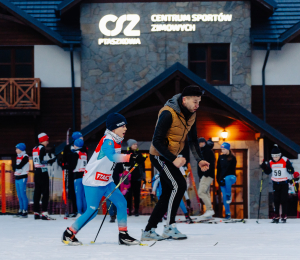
<point>240,112</point>
<point>282,26</point>
<point>40,15</point>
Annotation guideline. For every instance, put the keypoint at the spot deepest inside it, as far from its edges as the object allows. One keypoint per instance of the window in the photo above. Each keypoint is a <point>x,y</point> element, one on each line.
<point>16,62</point>
<point>210,62</point>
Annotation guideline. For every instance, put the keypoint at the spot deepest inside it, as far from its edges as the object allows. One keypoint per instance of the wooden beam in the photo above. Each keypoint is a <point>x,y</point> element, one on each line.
<point>160,97</point>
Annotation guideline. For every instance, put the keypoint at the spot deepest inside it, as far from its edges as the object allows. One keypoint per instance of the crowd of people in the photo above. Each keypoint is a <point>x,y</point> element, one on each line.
<point>89,180</point>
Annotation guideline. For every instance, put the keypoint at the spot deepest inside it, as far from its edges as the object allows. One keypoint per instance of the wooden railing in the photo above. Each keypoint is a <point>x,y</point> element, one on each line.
<point>20,93</point>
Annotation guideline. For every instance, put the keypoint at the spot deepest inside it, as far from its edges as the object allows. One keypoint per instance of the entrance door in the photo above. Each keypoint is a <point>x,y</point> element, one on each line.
<point>239,191</point>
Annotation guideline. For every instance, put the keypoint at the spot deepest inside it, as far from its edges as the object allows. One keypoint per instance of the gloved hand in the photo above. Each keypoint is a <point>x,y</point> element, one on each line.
<point>264,165</point>
<point>188,202</point>
<point>222,182</point>
<point>144,182</point>
<point>152,198</point>
<point>51,161</point>
<point>296,176</point>
<point>136,158</point>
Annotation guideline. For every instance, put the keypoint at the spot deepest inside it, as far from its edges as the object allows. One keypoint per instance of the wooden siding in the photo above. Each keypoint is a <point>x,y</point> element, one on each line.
<point>282,108</point>
<point>19,34</point>
<point>55,119</point>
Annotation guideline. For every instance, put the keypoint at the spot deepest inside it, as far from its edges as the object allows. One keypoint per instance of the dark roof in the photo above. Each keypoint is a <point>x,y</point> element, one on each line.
<point>240,112</point>
<point>66,5</point>
<point>41,16</point>
<point>281,26</point>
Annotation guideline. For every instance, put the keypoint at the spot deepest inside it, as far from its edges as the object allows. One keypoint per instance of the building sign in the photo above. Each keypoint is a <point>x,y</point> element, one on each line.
<point>160,23</point>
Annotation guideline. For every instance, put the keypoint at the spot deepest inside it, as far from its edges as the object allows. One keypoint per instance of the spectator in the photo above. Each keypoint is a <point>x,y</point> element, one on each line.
<point>21,174</point>
<point>136,177</point>
<point>226,176</point>
<point>207,177</point>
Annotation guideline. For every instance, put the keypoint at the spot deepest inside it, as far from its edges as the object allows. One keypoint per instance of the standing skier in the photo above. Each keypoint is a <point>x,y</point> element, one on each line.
<point>98,181</point>
<point>281,169</point>
<point>21,174</point>
<point>206,178</point>
<point>78,163</point>
<point>226,175</point>
<point>41,177</point>
<point>176,121</point>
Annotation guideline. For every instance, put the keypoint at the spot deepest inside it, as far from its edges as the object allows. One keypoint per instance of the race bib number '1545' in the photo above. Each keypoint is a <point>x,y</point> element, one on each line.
<point>102,176</point>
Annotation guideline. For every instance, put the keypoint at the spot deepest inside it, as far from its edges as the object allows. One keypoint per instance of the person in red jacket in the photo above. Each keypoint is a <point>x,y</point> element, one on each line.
<point>281,169</point>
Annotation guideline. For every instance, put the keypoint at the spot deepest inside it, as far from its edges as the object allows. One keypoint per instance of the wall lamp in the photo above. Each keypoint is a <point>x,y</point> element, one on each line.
<point>224,134</point>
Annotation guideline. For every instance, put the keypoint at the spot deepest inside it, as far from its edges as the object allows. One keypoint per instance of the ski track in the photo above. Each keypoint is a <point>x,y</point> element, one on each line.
<point>36,239</point>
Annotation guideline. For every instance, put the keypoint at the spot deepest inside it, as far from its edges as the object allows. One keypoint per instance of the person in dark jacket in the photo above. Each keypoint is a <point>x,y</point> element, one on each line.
<point>281,169</point>
<point>226,175</point>
<point>207,177</point>
<point>137,176</point>
<point>67,158</point>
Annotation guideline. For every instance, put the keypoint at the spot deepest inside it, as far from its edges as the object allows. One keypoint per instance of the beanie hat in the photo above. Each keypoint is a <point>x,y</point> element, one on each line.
<point>225,146</point>
<point>76,135</point>
<point>21,146</point>
<point>79,143</point>
<point>115,120</point>
<point>43,137</point>
<point>276,150</point>
<point>210,143</point>
<point>130,142</point>
<point>192,90</point>
<point>201,140</point>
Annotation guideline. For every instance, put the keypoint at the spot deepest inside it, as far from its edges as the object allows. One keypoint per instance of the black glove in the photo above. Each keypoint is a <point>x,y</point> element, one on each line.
<point>51,161</point>
<point>290,181</point>
<point>136,158</point>
<point>152,198</point>
<point>144,182</point>
<point>222,182</point>
<point>188,202</point>
<point>264,165</point>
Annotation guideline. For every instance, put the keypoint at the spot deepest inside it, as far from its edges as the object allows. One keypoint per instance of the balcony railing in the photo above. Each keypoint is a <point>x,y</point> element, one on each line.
<point>17,93</point>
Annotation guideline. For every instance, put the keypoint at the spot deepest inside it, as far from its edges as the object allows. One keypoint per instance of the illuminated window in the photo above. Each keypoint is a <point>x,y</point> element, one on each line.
<point>210,62</point>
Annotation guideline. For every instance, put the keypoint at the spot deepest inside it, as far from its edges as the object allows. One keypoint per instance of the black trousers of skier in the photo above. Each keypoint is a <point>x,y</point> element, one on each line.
<point>281,196</point>
<point>41,182</point>
<point>71,191</point>
<point>173,187</point>
<point>134,190</point>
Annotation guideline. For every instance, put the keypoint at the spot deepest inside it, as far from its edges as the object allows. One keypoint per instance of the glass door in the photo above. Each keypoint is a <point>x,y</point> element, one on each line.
<point>239,190</point>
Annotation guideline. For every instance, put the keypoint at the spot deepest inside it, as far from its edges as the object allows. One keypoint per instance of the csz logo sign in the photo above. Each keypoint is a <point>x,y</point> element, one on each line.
<point>128,29</point>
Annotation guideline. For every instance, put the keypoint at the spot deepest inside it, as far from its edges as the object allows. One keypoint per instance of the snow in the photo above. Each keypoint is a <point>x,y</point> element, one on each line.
<point>36,239</point>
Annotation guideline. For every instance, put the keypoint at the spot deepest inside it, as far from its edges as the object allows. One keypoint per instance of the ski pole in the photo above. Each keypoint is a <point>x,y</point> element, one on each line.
<point>261,184</point>
<point>109,195</point>
<point>92,242</point>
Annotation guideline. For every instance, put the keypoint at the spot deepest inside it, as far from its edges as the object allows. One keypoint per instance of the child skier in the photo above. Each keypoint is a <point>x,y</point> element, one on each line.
<point>281,169</point>
<point>21,174</point>
<point>78,163</point>
<point>98,181</point>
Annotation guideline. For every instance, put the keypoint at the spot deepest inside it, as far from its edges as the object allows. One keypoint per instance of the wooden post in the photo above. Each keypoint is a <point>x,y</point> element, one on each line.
<point>3,188</point>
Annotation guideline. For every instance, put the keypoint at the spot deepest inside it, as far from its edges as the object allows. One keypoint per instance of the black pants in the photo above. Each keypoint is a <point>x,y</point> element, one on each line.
<point>71,191</point>
<point>281,196</point>
<point>134,190</point>
<point>173,187</point>
<point>41,181</point>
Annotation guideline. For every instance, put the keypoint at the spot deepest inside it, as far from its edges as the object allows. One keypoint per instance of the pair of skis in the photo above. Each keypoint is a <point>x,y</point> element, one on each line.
<point>211,221</point>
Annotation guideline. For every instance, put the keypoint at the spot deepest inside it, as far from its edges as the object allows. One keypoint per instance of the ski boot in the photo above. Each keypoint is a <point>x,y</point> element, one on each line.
<point>24,214</point>
<point>45,216</point>
<point>37,215</point>
<point>275,220</point>
<point>165,216</point>
<point>188,219</point>
<point>73,215</point>
<point>136,213</point>
<point>18,214</point>
<point>125,239</point>
<point>283,218</point>
<point>112,219</point>
<point>172,232</point>
<point>151,235</point>
<point>227,217</point>
<point>208,214</point>
<point>69,238</point>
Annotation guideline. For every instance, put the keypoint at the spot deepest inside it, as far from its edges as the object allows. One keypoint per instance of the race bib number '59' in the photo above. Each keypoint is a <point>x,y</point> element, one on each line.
<point>102,176</point>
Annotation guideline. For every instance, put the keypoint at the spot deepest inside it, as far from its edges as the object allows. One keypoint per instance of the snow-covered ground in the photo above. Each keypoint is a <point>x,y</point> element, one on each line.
<point>36,239</point>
